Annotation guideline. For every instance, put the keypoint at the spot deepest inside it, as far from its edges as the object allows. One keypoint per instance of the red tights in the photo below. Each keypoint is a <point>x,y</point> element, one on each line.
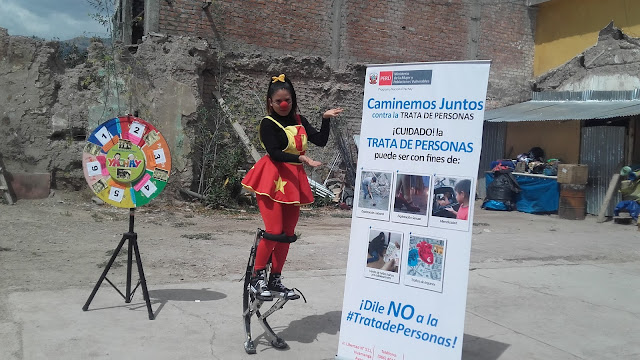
<point>277,218</point>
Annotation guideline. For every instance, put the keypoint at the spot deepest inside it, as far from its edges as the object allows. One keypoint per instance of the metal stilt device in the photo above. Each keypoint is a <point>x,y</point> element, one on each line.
<point>132,237</point>
<point>252,306</point>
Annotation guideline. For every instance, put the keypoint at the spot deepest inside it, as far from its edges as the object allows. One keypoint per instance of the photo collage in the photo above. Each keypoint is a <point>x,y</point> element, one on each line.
<point>435,200</point>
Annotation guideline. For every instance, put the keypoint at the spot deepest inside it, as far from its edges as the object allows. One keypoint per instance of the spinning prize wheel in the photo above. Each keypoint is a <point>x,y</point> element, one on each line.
<point>126,162</point>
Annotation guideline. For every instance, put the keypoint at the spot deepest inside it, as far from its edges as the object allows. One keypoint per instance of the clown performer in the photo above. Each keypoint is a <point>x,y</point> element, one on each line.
<point>280,182</point>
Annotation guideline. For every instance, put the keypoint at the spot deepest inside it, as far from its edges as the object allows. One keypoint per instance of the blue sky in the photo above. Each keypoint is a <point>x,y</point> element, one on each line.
<point>62,19</point>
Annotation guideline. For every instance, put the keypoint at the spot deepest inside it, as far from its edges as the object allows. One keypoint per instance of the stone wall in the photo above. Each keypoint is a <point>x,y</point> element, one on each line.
<point>29,89</point>
<point>47,110</point>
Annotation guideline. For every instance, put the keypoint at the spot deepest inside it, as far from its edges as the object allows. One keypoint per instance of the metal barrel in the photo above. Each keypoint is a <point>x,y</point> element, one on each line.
<point>572,202</point>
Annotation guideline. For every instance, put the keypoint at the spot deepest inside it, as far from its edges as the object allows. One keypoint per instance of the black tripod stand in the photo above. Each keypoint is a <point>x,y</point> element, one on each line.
<point>133,247</point>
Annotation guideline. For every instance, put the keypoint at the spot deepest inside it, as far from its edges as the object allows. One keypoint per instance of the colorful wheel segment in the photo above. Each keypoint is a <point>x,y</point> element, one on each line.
<point>126,162</point>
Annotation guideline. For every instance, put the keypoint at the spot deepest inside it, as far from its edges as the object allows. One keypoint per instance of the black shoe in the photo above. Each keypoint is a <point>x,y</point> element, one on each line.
<point>259,286</point>
<point>275,285</point>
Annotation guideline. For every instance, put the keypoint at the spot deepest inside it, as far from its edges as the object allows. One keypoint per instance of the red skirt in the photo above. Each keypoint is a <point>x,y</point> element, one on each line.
<point>282,182</point>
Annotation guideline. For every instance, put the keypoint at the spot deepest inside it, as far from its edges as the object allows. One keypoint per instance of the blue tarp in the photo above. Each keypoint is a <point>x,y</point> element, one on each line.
<point>538,195</point>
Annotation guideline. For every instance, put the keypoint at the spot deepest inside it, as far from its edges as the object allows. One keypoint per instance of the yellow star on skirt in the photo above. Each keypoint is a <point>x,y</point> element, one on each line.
<point>280,184</point>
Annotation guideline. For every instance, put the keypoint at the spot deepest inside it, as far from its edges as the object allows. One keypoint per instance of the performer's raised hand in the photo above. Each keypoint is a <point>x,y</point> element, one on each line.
<point>332,113</point>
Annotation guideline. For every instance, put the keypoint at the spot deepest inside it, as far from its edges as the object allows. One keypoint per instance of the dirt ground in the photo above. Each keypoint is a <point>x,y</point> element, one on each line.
<point>66,241</point>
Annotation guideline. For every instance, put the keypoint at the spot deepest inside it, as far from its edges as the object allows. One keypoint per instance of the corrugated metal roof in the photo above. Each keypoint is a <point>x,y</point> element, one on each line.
<point>570,106</point>
<point>586,95</point>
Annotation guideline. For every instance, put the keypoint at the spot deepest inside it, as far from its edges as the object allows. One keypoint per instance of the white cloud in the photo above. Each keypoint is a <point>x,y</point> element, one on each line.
<point>21,21</point>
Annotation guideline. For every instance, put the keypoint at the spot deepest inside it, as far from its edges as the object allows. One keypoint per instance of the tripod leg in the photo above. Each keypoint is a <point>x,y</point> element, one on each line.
<point>143,281</point>
<point>128,296</point>
<point>104,273</point>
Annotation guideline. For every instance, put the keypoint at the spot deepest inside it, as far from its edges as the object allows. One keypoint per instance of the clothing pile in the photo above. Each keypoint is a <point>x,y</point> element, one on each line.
<point>502,165</point>
<point>630,190</point>
<point>534,162</point>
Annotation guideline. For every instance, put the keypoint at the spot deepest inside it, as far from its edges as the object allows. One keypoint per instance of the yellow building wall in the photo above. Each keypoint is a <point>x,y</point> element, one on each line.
<point>565,28</point>
<point>558,139</point>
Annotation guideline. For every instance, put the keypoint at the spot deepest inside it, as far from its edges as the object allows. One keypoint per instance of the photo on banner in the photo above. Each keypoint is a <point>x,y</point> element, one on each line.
<point>425,262</point>
<point>411,199</point>
<point>374,194</point>
<point>384,254</point>
<point>452,196</point>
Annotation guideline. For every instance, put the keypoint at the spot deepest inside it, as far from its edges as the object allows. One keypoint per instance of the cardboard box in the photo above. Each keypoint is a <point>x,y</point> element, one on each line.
<point>573,173</point>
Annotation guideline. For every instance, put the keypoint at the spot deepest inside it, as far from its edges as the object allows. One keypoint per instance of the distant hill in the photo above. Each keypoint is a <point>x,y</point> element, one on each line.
<point>82,42</point>
<point>74,51</point>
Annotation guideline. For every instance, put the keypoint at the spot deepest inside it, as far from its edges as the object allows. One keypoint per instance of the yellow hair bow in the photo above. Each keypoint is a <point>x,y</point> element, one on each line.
<point>277,78</point>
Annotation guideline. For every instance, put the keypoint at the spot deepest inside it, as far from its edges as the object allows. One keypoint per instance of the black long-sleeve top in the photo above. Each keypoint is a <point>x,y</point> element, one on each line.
<point>275,139</point>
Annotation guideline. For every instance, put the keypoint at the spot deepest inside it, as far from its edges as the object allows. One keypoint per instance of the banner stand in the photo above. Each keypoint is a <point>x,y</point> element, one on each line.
<point>410,241</point>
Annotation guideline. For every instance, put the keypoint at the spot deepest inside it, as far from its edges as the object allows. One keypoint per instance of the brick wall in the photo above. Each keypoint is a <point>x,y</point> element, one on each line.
<point>272,26</point>
<point>372,31</point>
<point>506,37</point>
<point>405,31</point>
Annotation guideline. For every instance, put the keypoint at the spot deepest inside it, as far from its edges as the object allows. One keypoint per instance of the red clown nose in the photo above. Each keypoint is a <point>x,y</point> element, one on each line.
<point>284,105</point>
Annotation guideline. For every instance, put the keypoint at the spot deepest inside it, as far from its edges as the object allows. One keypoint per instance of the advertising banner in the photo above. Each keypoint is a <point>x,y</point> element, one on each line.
<point>407,273</point>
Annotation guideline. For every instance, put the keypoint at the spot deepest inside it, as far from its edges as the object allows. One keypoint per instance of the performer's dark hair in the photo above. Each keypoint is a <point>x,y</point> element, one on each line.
<point>286,85</point>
